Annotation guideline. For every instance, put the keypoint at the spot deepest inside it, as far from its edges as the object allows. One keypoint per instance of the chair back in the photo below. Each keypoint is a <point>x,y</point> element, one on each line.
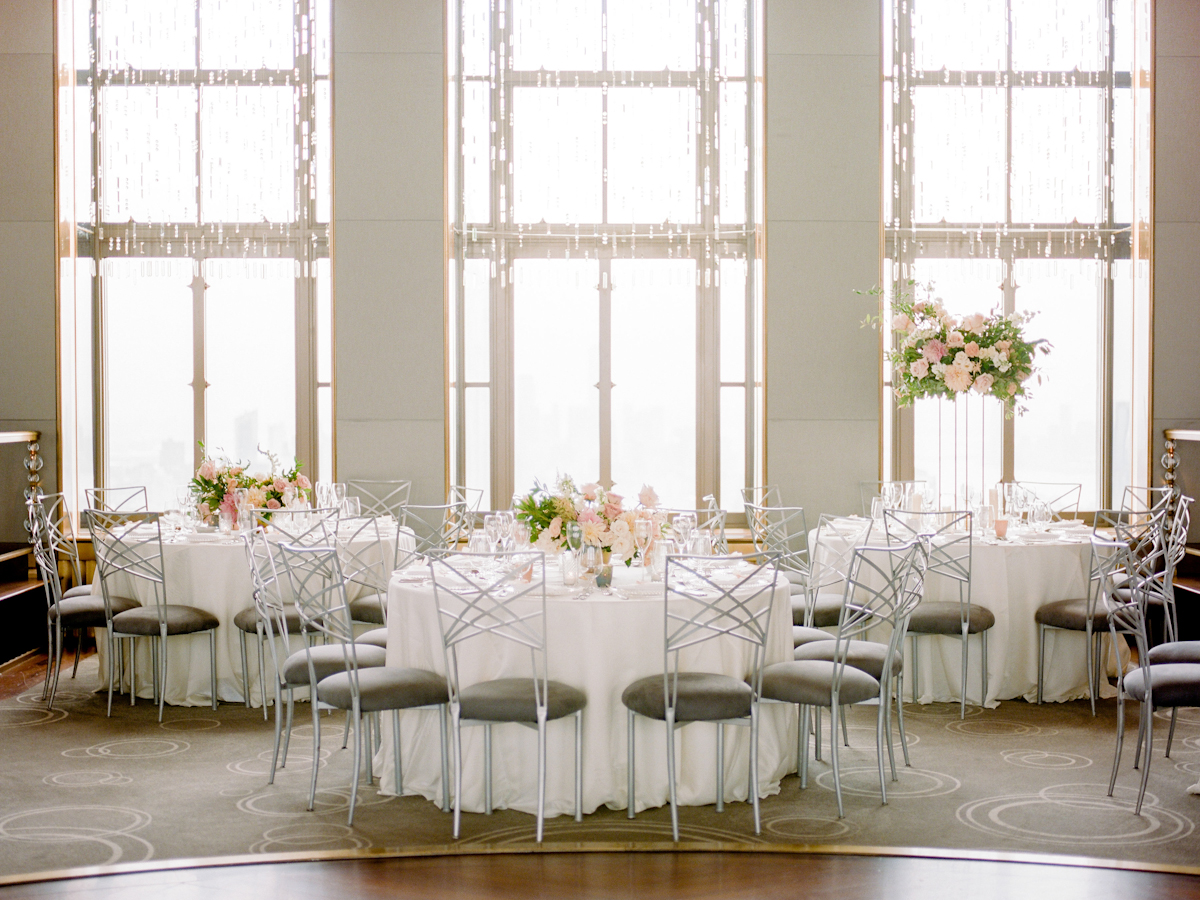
<point>762,495</point>
<point>57,531</point>
<point>367,561</point>
<point>1062,498</point>
<point>117,499</point>
<point>435,529</point>
<point>702,602</point>
<point>43,552</point>
<point>1145,500</point>
<point>895,494</point>
<point>473,497</point>
<point>269,589</point>
<point>783,531</point>
<point>502,595</point>
<point>833,552</point>
<point>883,586</point>
<point>947,537</point>
<point>304,527</point>
<point>380,498</point>
<point>1126,609</point>
<point>128,544</point>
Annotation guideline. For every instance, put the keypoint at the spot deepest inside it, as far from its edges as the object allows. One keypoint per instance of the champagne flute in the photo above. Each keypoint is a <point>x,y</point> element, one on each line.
<point>643,530</point>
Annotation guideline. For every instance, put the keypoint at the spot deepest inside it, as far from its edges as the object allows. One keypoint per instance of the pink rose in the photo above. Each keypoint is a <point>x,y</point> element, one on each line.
<point>554,529</point>
<point>957,378</point>
<point>920,306</point>
<point>279,484</point>
<point>1012,388</point>
<point>971,348</point>
<point>229,503</point>
<point>207,470</point>
<point>234,471</point>
<point>1003,346</point>
<point>983,383</point>
<point>933,350</point>
<point>901,322</point>
<point>919,369</point>
<point>303,483</point>
<point>273,504</point>
<point>974,322</point>
<point>590,491</point>
<point>647,497</point>
<point>612,510</point>
<point>954,339</point>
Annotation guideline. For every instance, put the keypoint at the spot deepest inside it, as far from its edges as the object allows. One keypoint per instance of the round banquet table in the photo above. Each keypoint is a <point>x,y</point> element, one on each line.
<point>1012,578</point>
<point>599,643</point>
<point>213,575</point>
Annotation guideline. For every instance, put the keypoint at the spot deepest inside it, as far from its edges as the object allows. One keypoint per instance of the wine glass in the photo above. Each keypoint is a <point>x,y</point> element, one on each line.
<point>492,525</point>
<point>643,530</point>
<point>685,528</point>
<point>1040,515</point>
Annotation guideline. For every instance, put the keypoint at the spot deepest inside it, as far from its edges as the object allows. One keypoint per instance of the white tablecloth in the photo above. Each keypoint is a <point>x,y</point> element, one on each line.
<point>600,644</point>
<point>214,576</point>
<point>1012,579</point>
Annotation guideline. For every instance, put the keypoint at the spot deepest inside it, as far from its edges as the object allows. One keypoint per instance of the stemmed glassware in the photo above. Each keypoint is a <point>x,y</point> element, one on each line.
<point>492,525</point>
<point>685,529</point>
<point>643,531</point>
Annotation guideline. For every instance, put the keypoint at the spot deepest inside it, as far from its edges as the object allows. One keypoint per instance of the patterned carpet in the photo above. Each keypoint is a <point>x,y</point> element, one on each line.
<point>80,789</point>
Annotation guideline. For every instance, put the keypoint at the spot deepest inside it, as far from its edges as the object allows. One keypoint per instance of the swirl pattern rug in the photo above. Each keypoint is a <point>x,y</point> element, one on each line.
<point>81,789</point>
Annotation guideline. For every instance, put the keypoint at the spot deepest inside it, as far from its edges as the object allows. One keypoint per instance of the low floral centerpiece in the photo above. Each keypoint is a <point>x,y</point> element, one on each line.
<point>601,515</point>
<point>936,354</point>
<point>218,478</point>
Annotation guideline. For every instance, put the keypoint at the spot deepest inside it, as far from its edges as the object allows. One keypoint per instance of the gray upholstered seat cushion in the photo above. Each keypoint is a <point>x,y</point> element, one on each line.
<point>865,655</point>
<point>376,638</point>
<point>1071,614</point>
<point>827,609</point>
<point>794,577</point>
<point>368,609</point>
<point>80,590</point>
<point>180,620</point>
<point>327,660</point>
<point>384,687</point>
<point>1172,684</point>
<point>1151,596</point>
<point>247,619</point>
<point>702,697</point>
<point>1174,652</point>
<point>945,617</point>
<point>513,700</point>
<point>85,611</point>
<point>810,681</point>
<point>802,635</point>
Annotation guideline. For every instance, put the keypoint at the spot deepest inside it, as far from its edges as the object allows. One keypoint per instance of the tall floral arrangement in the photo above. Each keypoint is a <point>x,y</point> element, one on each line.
<point>936,354</point>
<point>601,515</point>
<point>218,478</point>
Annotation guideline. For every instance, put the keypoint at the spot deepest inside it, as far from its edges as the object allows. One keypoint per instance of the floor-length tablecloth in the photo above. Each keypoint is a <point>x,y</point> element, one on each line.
<point>600,644</point>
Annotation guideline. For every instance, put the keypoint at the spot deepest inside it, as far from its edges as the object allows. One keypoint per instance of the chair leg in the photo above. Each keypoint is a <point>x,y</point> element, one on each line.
<point>162,683</point>
<point>720,767</point>
<point>900,716</point>
<point>287,733</point>
<point>671,773</point>
<point>212,666</point>
<point>50,623</point>
<point>133,668</point>
<point>579,766</point>
<point>803,733</point>
<point>114,647</point>
<point>443,724</point>
<point>833,752</point>
<point>916,666</point>
<point>368,723</point>
<point>245,670</point>
<point>880,724</point>
<point>79,632</point>
<point>1171,733</point>
<point>983,670</point>
<point>399,773</point>
<point>884,727</point>
<point>816,713</point>
<point>1093,667</point>
<point>487,769</point>
<point>56,649</point>
<point>456,735</point>
<point>629,776</point>
<point>1041,660</point>
<point>962,703</point>
<point>845,732</point>
<point>541,784</point>
<point>754,768</point>
<point>316,752</point>
<point>262,673</point>
<point>1147,713</point>
<point>345,729</point>
<point>278,729</point>
<point>1112,780</point>
<point>359,747</point>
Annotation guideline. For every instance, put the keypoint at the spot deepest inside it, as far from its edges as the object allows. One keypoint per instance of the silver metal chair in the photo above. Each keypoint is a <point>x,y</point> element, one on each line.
<point>698,609</point>
<point>899,494</point>
<point>64,612</point>
<point>319,586</point>
<point>436,530</point>
<point>367,564</point>
<point>762,495</point>
<point>117,499</point>
<point>502,596</point>
<point>783,531</point>
<point>1145,500</point>
<point>1168,684</point>
<point>1061,497</point>
<point>129,545</point>
<point>305,526</point>
<point>710,518</point>
<point>382,497</point>
<point>884,585</point>
<point>948,536</point>
<point>473,497</point>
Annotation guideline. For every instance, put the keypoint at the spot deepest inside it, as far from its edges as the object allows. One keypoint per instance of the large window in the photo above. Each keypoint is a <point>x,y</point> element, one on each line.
<point>606,199</point>
<point>1018,159</point>
<point>194,160</point>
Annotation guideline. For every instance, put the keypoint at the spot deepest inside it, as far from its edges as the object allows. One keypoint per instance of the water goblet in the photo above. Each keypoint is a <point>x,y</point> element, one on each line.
<point>478,542</point>
<point>685,528</point>
<point>351,508</point>
<point>492,525</point>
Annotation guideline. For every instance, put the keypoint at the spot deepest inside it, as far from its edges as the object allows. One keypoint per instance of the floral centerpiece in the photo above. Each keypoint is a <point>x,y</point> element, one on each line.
<point>218,478</point>
<point>939,355</point>
<point>601,515</point>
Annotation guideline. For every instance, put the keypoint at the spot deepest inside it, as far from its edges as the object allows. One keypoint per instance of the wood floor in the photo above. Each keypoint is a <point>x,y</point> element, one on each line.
<point>616,876</point>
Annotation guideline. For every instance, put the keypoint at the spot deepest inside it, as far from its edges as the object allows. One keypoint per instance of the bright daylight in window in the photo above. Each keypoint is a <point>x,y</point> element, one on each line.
<point>194,246</point>
<point>605,295</point>
<point>1016,148</point>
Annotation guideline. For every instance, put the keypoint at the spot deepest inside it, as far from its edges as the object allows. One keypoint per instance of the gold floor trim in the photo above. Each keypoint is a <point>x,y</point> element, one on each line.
<point>436,850</point>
